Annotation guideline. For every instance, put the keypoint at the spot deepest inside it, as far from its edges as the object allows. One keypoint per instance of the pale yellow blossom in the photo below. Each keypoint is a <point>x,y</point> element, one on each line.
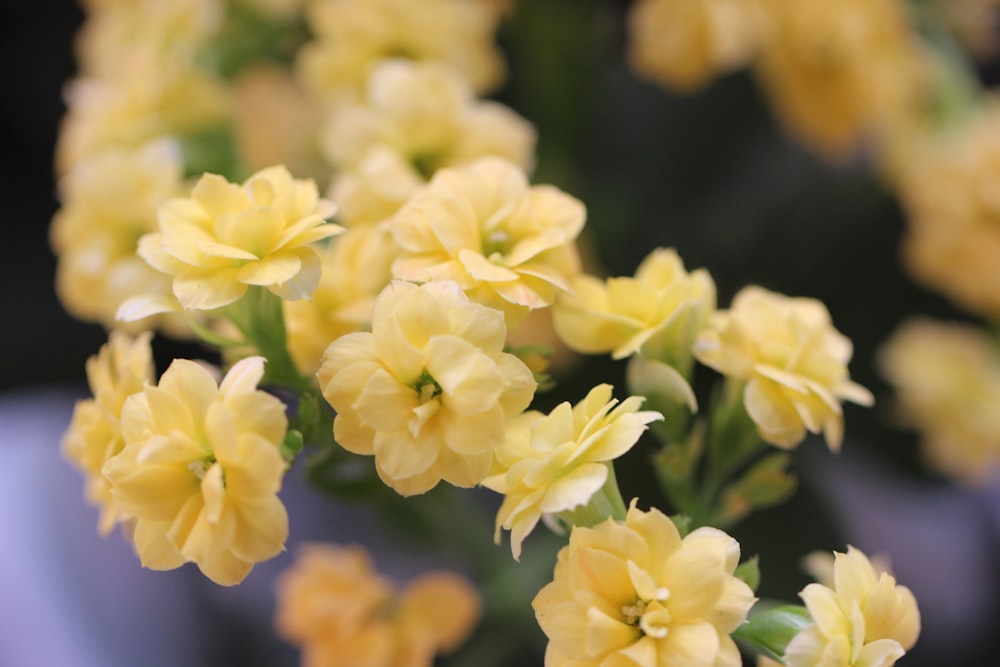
<point>839,74</point>
<point>556,462</point>
<point>376,188</point>
<point>356,267</point>
<point>864,618</point>
<point>429,114</point>
<point>226,237</point>
<point>353,35</point>
<point>342,613</point>
<point>151,101</point>
<point>201,469</point>
<point>121,368</point>
<point>108,203</point>
<point>952,242</point>
<point>947,382</point>
<point>793,361</point>
<point>507,245</point>
<point>659,311</point>
<point>429,391</point>
<point>686,43</point>
<point>635,593</point>
<point>118,36</point>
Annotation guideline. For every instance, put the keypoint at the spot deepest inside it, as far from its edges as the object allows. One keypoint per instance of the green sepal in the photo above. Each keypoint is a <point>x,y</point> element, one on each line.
<point>291,445</point>
<point>765,484</point>
<point>769,630</point>
<point>749,572</point>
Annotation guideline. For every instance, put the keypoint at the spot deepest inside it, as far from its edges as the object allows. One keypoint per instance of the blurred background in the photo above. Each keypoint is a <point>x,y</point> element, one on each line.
<point>710,173</point>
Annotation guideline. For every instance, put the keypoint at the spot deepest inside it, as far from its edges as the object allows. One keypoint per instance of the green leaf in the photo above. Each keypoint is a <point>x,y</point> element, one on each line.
<point>769,630</point>
<point>749,573</point>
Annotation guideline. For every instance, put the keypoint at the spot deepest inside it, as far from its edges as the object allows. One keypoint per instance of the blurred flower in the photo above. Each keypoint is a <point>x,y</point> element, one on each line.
<point>840,73</point>
<point>429,391</point>
<point>685,43</point>
<point>793,361</point>
<point>557,462</point>
<point>659,311</point>
<point>864,619</point>
<point>152,100</point>
<point>635,593</point>
<point>975,24</point>
<point>226,237</point>
<point>201,469</point>
<point>352,35</point>
<point>507,245</point>
<point>426,114</point>
<point>374,190</point>
<point>118,35</point>
<point>953,231</point>
<point>341,613</point>
<point>947,382</point>
<point>356,267</point>
<point>108,202</point>
<point>121,368</point>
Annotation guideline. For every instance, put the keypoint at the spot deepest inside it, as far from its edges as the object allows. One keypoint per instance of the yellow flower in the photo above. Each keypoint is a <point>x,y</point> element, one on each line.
<point>428,392</point>
<point>507,245</point>
<point>428,113</point>
<point>635,593</point>
<point>352,35</point>
<point>947,382</point>
<point>120,369</point>
<point>201,470</point>
<point>659,311</point>
<point>953,232</point>
<point>148,102</point>
<point>839,73</point>
<point>557,462</point>
<point>108,203</point>
<point>341,613</point>
<point>373,190</point>
<point>226,237</point>
<point>685,43</point>
<point>793,361</point>
<point>864,619</point>
<point>356,267</point>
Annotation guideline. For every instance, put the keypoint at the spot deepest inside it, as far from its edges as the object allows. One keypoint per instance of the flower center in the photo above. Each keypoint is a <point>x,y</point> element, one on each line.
<point>201,466</point>
<point>651,618</point>
<point>495,246</point>
<point>426,387</point>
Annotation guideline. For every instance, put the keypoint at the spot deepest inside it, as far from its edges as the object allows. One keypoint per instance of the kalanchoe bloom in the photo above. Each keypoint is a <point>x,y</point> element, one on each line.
<point>121,368</point>
<point>635,593</point>
<point>863,619</point>
<point>108,203</point>
<point>429,391</point>
<point>947,382</point>
<point>353,35</point>
<point>356,267</point>
<point>226,237</point>
<point>201,470</point>
<point>659,311</point>
<point>686,43</point>
<point>557,462</point>
<point>793,361</point>
<point>507,245</point>
<point>342,613</point>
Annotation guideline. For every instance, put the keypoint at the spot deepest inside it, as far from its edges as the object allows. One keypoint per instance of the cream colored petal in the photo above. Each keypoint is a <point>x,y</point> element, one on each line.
<point>207,289</point>
<point>445,605</point>
<point>574,488</point>
<point>149,492</point>
<point>216,196</point>
<point>853,575</point>
<point>605,634</point>
<point>776,418</point>
<point>400,455</point>
<point>483,269</point>
<point>880,653</point>
<point>473,434</point>
<point>353,434</point>
<point>690,644</point>
<point>384,404</point>
<point>303,283</point>
<point>410,486</point>
<point>271,270</point>
<point>604,573</point>
<point>658,534</point>
<point>470,381</point>
<point>140,307</point>
<point>519,384</point>
<point>696,581</point>
<point>256,470</point>
<point>154,549</point>
<point>463,470</point>
<point>261,530</point>
<point>243,377</point>
<point>824,607</point>
<point>192,383</point>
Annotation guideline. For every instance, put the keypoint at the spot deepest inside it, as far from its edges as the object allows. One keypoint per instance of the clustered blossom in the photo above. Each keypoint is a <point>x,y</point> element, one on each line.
<point>342,613</point>
<point>507,245</point>
<point>952,242</point>
<point>793,361</point>
<point>201,469</point>
<point>557,462</point>
<point>686,43</point>
<point>426,115</point>
<point>352,35</point>
<point>428,392</point>
<point>635,593</point>
<point>863,619</point>
<point>226,237</point>
<point>947,382</point>
<point>109,202</point>
<point>121,368</point>
<point>658,312</point>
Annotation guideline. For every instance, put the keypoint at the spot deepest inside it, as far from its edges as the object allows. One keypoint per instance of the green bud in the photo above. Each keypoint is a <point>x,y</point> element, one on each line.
<point>769,630</point>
